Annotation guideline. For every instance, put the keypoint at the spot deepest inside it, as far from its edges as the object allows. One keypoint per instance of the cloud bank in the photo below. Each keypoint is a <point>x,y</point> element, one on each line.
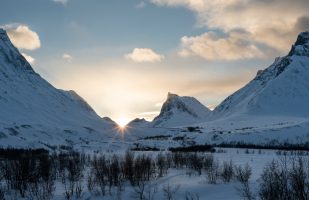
<point>210,46</point>
<point>254,28</point>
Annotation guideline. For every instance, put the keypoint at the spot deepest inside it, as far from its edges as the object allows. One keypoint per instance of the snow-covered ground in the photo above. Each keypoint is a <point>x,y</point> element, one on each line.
<point>258,130</point>
<point>186,181</point>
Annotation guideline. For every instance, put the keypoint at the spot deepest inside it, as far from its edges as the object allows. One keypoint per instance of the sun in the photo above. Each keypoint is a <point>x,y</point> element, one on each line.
<point>122,122</point>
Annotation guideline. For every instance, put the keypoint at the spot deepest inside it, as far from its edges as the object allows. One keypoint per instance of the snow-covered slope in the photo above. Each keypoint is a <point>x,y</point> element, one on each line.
<point>281,89</point>
<point>179,111</point>
<point>33,112</point>
<point>138,123</point>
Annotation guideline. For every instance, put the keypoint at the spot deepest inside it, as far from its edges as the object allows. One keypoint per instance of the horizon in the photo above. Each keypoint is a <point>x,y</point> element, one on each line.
<point>127,74</point>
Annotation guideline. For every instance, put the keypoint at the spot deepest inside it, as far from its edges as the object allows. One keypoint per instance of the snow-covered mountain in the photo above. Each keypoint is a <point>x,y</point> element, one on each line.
<point>273,106</point>
<point>281,89</point>
<point>138,123</point>
<point>180,111</point>
<point>272,109</point>
<point>34,113</point>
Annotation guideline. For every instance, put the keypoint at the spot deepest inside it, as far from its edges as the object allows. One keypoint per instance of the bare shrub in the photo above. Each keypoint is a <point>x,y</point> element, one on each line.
<point>162,164</point>
<point>274,183</point>
<point>243,175</point>
<point>227,171</point>
<point>190,196</point>
<point>212,172</point>
<point>170,191</point>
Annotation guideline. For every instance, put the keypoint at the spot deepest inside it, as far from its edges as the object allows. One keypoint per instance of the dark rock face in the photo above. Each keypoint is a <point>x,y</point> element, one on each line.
<point>303,41</point>
<point>302,38</point>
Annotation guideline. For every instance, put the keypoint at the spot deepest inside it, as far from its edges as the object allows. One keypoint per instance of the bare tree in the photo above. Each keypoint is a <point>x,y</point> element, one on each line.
<point>227,171</point>
<point>128,165</point>
<point>275,182</point>
<point>190,196</point>
<point>299,179</point>
<point>161,164</point>
<point>213,172</point>
<point>170,191</point>
<point>139,189</point>
<point>243,175</point>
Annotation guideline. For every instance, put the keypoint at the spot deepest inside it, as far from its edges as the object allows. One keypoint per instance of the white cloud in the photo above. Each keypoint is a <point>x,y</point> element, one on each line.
<point>140,55</point>
<point>212,46</point>
<point>67,57</point>
<point>141,4</point>
<point>22,36</point>
<point>63,2</point>
<point>272,24</point>
<point>30,59</point>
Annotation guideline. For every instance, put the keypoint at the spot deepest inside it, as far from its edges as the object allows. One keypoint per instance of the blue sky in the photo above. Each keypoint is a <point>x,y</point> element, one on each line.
<point>82,24</point>
<point>124,56</point>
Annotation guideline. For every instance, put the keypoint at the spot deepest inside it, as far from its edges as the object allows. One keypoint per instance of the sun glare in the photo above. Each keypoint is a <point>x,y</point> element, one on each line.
<point>122,122</point>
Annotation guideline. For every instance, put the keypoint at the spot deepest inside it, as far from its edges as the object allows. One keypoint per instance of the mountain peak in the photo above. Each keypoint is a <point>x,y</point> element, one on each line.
<point>301,46</point>
<point>303,38</point>
<point>171,95</point>
<point>11,54</point>
<point>280,89</point>
<point>180,110</point>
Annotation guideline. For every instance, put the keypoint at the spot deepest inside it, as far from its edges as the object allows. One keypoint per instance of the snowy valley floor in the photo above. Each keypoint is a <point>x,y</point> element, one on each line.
<point>178,183</point>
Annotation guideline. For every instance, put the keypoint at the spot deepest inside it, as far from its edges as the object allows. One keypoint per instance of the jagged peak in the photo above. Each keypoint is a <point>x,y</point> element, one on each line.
<point>301,46</point>
<point>171,95</point>
<point>303,38</point>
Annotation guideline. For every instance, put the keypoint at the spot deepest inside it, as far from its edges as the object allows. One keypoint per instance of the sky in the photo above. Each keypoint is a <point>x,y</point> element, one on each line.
<point>124,56</point>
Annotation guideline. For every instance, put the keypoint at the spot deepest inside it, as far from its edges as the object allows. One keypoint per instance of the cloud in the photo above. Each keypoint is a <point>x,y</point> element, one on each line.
<point>141,4</point>
<point>63,2</point>
<point>140,55</point>
<point>302,23</point>
<point>212,46</point>
<point>22,36</point>
<point>271,26</point>
<point>67,57</point>
<point>30,59</point>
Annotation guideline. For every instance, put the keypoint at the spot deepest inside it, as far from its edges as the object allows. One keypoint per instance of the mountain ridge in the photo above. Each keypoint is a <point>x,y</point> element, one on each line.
<point>35,112</point>
<point>276,89</point>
